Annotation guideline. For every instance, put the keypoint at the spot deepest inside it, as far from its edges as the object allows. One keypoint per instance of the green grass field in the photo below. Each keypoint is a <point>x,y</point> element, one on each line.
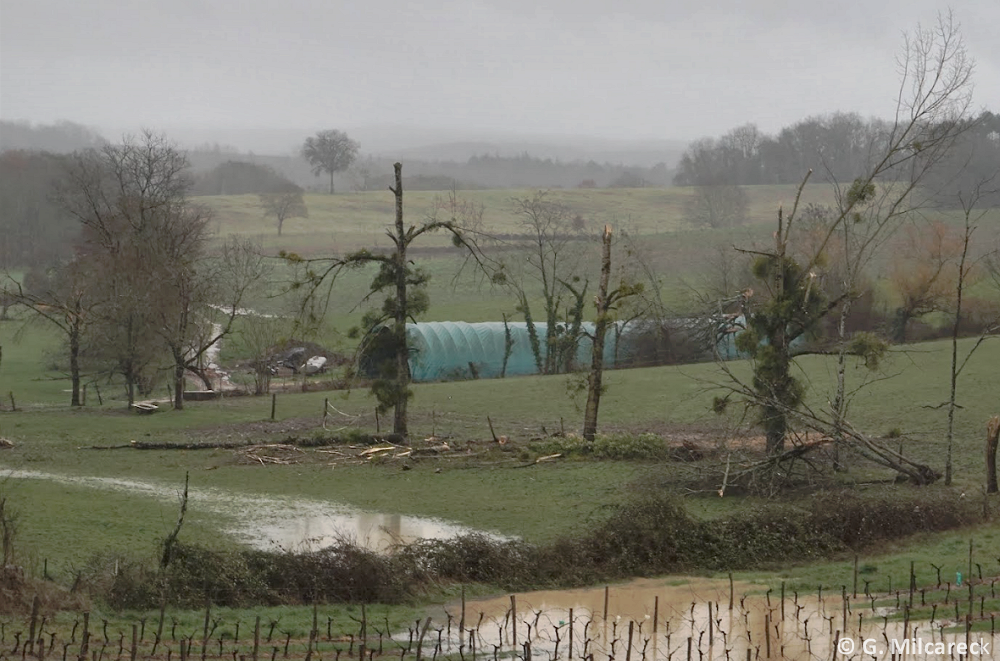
<point>347,221</point>
<point>537,504</point>
<point>67,523</point>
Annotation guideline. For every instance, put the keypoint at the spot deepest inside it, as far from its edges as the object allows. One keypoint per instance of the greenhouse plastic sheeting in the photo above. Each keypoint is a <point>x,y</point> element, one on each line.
<point>444,350</point>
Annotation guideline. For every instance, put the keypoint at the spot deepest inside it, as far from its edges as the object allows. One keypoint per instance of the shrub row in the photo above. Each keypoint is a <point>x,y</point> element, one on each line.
<point>652,534</point>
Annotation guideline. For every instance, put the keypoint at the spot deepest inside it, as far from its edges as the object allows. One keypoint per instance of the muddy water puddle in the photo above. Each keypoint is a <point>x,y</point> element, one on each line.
<point>271,521</point>
<point>652,620</point>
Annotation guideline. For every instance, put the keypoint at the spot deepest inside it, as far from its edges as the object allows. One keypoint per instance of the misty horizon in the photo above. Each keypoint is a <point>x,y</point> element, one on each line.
<point>397,76</point>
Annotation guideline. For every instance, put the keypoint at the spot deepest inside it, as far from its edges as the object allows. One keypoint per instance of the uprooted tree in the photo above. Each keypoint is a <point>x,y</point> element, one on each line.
<point>933,104</point>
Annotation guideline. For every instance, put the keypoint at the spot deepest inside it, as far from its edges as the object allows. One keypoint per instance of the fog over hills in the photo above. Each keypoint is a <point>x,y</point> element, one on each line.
<point>440,144</point>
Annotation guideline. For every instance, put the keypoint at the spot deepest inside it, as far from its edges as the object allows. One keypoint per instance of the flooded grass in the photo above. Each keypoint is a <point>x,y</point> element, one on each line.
<point>294,524</point>
<point>642,620</point>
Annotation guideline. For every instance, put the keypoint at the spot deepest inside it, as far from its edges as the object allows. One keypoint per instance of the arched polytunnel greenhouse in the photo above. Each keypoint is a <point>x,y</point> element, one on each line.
<point>449,350</point>
<point>455,350</point>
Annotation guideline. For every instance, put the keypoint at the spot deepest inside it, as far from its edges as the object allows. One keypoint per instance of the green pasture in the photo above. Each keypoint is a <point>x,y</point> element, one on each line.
<point>683,258</point>
<point>344,222</point>
<point>537,503</point>
<point>67,523</point>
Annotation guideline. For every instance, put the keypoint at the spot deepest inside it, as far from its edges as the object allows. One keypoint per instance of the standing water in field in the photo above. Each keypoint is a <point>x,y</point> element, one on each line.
<point>659,620</point>
<point>267,522</point>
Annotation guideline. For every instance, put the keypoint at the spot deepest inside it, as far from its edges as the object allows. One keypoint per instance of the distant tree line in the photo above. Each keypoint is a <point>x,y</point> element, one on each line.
<point>836,146</point>
<point>235,177</point>
<point>61,137</point>
<point>368,173</point>
<point>224,170</point>
<point>527,171</point>
<point>33,227</point>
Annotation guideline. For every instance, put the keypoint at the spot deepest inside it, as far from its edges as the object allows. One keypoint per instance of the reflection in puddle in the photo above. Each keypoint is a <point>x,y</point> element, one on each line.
<point>272,521</point>
<point>325,525</point>
<point>652,620</point>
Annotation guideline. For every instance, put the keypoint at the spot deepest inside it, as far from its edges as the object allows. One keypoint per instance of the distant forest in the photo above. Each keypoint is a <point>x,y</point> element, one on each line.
<point>478,172</point>
<point>368,172</point>
<point>836,147</point>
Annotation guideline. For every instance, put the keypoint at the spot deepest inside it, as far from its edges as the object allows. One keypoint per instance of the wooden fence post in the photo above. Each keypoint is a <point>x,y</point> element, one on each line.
<point>992,440</point>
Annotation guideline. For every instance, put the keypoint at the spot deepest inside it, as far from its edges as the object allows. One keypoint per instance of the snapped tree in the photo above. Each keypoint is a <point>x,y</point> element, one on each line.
<point>605,302</point>
<point>403,285</point>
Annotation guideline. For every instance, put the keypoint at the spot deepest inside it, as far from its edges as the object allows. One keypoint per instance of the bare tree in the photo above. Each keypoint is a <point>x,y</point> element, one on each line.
<point>545,256</point>
<point>717,205</point>
<point>260,334</point>
<point>330,151</point>
<point>201,303</point>
<point>934,98</point>
<point>284,205</point>
<point>62,296</point>
<point>964,278</point>
<point>921,275</point>
<point>141,240</point>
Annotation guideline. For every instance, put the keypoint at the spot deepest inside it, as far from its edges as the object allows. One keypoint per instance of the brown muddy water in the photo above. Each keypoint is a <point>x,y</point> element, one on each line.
<point>702,619</point>
<point>270,522</point>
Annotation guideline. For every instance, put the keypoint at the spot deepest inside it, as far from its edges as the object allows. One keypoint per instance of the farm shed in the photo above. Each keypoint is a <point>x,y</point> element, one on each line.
<point>448,350</point>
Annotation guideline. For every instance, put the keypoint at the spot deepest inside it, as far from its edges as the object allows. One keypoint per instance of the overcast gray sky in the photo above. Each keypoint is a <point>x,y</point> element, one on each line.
<point>626,69</point>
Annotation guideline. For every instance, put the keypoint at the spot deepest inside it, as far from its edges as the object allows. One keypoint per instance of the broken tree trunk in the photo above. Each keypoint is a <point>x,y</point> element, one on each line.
<point>399,422</point>
<point>594,383</point>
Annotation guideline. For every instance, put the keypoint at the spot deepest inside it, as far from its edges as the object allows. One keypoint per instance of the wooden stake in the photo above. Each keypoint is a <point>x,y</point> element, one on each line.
<point>570,654</point>
<point>274,404</point>
<point>730,590</point>
<point>256,638</point>
<point>423,632</point>
<point>856,575</point>
<point>208,615</point>
<point>656,612</point>
<point>364,633</point>
<point>85,640</point>
<point>992,441</point>
<point>513,620</point>
<point>29,646</point>
<point>767,635</point>
<point>461,621</point>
